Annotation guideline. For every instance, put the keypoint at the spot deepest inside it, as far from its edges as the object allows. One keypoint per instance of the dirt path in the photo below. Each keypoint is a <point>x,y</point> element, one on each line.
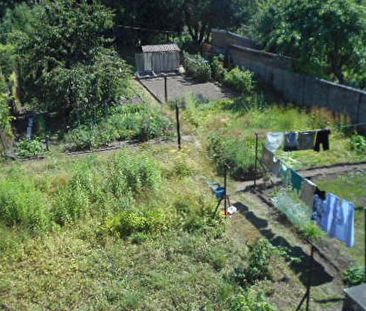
<point>255,220</point>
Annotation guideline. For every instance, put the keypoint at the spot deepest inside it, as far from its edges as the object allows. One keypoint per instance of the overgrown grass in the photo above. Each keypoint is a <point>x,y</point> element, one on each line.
<point>229,129</point>
<point>130,121</point>
<point>125,231</point>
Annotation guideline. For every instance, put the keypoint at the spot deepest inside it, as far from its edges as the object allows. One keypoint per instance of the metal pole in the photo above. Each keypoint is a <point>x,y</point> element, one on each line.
<point>178,125</point>
<point>365,244</point>
<point>310,277</point>
<point>225,186</point>
<point>308,285</point>
<point>166,88</point>
<point>256,159</point>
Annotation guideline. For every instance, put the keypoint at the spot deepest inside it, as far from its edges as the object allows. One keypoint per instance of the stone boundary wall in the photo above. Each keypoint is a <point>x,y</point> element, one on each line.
<point>302,90</point>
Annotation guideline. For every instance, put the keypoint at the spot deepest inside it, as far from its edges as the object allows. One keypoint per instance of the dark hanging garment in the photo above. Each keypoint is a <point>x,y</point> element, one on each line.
<point>291,141</point>
<point>322,138</point>
<point>306,140</point>
<point>322,194</point>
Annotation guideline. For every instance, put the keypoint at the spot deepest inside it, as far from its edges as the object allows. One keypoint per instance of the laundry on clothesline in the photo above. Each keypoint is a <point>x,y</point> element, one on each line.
<point>270,161</point>
<point>308,192</point>
<point>274,141</point>
<point>322,138</point>
<point>336,217</point>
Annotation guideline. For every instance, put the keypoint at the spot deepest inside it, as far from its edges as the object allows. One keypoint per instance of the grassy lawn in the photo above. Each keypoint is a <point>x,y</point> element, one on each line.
<point>353,188</point>
<point>228,130</point>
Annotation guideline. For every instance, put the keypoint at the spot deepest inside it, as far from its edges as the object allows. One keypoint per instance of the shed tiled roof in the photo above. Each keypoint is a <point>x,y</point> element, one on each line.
<point>160,48</point>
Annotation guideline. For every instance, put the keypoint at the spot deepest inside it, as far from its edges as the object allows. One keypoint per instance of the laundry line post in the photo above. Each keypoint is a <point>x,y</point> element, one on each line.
<point>365,244</point>
<point>226,168</point>
<point>255,160</point>
<point>310,280</point>
<point>165,88</point>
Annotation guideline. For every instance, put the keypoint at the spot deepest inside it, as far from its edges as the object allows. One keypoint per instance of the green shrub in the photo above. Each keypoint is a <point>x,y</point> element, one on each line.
<point>133,173</point>
<point>197,67</point>
<point>28,148</point>
<point>358,143</point>
<point>240,80</point>
<point>21,203</point>
<point>125,122</point>
<point>133,222</point>
<point>217,68</point>
<point>238,153</point>
<point>260,254</point>
<point>250,300</point>
<point>355,275</point>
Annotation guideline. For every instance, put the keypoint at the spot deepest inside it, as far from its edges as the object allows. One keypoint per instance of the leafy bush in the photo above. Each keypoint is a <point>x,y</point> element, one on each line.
<point>240,80</point>
<point>105,188</point>
<point>21,203</point>
<point>358,143</point>
<point>131,221</point>
<point>217,68</point>
<point>125,122</point>
<point>260,254</point>
<point>197,67</point>
<point>28,148</point>
<point>134,173</point>
<point>238,153</point>
<point>250,300</point>
<point>355,275</point>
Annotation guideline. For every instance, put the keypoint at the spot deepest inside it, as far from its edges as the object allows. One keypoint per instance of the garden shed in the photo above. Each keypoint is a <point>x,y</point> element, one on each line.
<point>157,59</point>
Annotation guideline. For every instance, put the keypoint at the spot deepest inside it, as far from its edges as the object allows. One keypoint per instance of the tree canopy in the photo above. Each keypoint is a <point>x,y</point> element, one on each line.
<point>325,36</point>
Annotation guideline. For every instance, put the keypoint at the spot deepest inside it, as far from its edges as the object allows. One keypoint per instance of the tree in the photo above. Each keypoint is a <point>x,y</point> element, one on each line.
<point>325,36</point>
<point>66,59</point>
<point>203,15</point>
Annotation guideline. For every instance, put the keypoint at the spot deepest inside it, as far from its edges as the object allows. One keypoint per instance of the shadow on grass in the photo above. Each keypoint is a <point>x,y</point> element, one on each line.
<point>320,276</point>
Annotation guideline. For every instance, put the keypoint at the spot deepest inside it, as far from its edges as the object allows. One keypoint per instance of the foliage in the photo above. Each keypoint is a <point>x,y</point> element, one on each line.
<point>358,143</point>
<point>325,37</point>
<point>28,148</point>
<point>197,67</point>
<point>130,221</point>
<point>355,275</point>
<point>259,257</point>
<point>217,68</point>
<point>250,300</point>
<point>240,80</point>
<point>134,121</point>
<point>236,152</point>
<point>66,62</point>
<point>21,203</point>
<point>203,15</point>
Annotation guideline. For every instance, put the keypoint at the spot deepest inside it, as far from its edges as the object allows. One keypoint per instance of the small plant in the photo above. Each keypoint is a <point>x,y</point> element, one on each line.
<point>355,275</point>
<point>250,300</point>
<point>28,148</point>
<point>260,255</point>
<point>197,67</point>
<point>358,143</point>
<point>217,68</point>
<point>240,80</point>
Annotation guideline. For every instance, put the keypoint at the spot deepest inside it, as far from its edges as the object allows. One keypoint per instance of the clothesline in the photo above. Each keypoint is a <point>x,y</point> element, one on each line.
<point>263,135</point>
<point>333,214</point>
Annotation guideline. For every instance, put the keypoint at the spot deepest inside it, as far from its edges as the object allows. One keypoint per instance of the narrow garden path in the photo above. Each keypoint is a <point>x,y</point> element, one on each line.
<point>257,220</point>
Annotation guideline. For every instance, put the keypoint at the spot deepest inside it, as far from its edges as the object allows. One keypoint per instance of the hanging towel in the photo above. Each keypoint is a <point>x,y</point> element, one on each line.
<point>296,180</point>
<point>331,202</point>
<point>285,174</point>
<point>291,141</point>
<point>276,168</point>
<point>306,140</point>
<point>268,158</point>
<point>274,141</point>
<point>307,192</point>
<point>322,138</point>
<point>343,225</point>
<point>318,206</point>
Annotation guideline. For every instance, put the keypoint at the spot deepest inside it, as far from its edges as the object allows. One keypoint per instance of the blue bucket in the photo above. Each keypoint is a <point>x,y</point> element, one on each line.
<point>220,193</point>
